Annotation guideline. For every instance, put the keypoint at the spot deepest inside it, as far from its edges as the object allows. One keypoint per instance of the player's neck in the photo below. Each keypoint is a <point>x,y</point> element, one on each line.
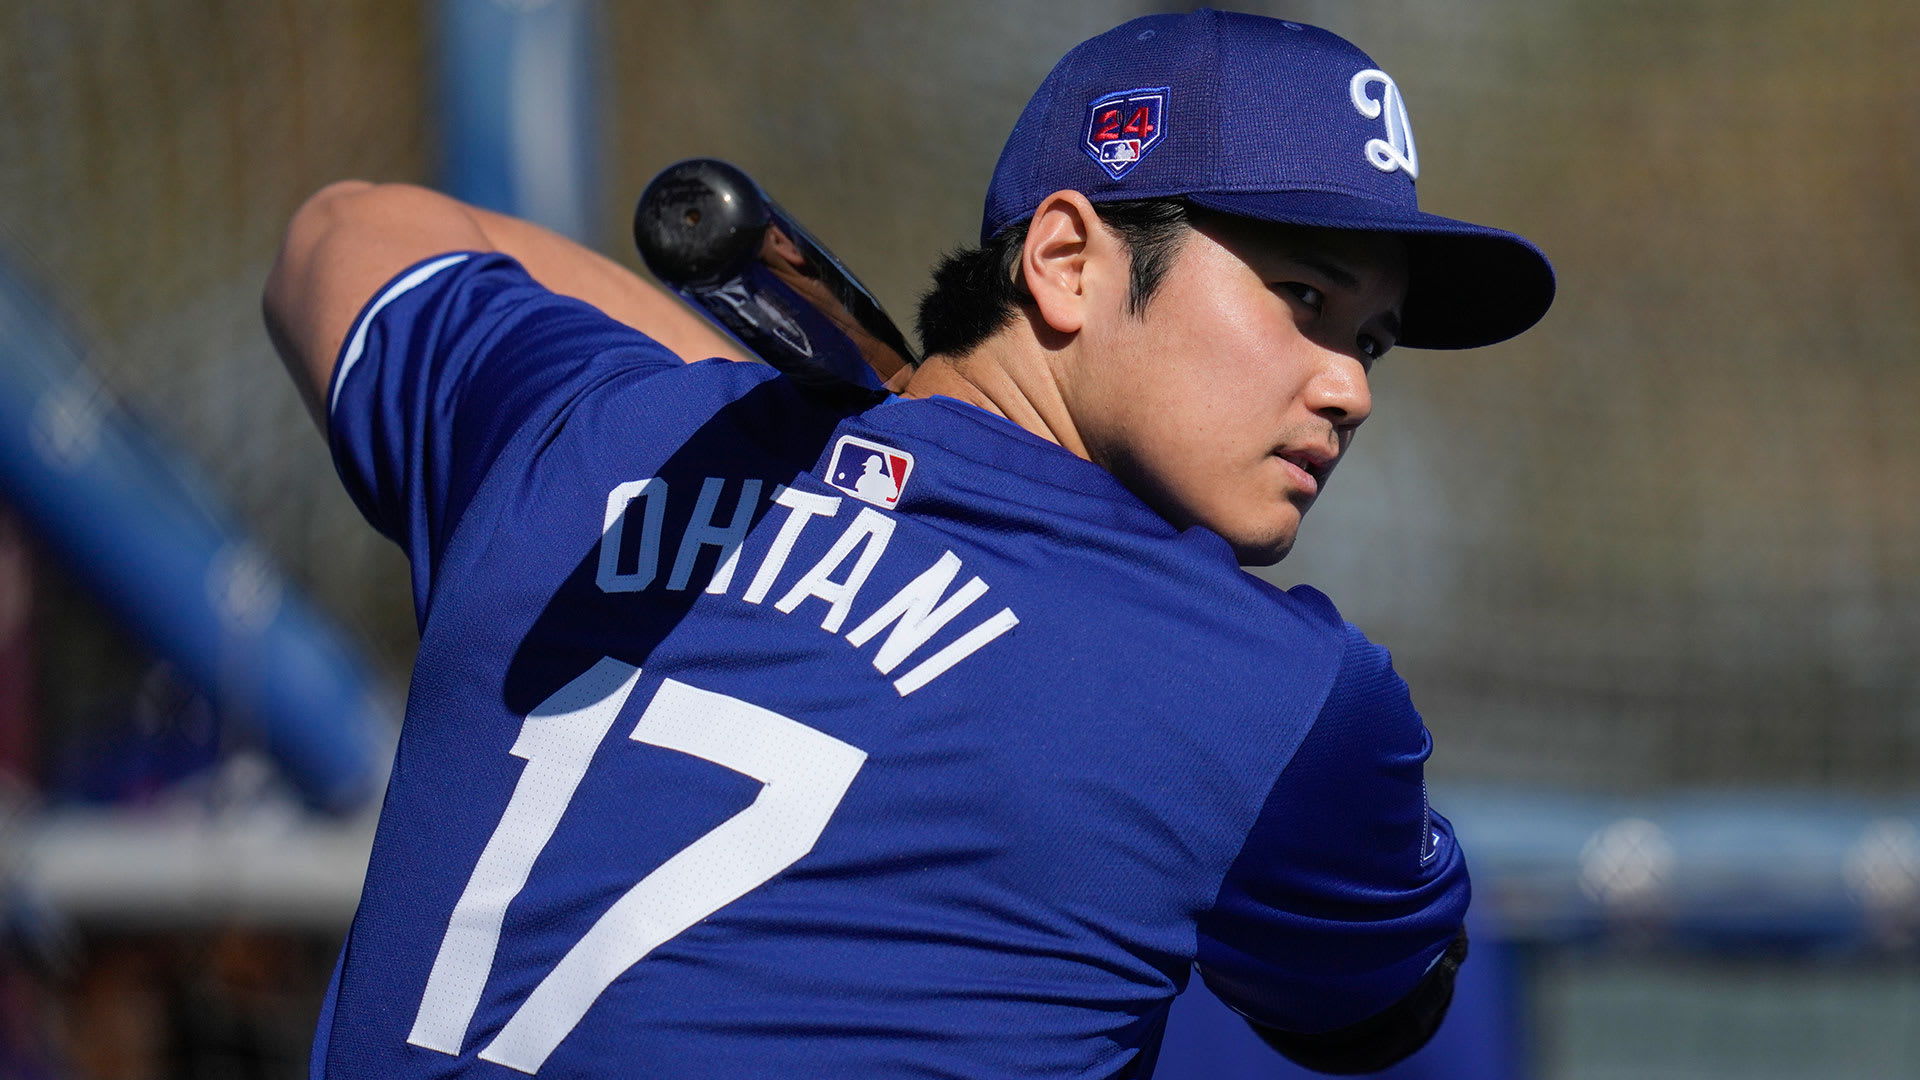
<point>1007,375</point>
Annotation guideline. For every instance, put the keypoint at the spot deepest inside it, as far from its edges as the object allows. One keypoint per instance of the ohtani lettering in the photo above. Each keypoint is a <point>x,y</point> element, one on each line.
<point>869,532</point>
<point>911,618</point>
<point>701,532</point>
<point>803,506</point>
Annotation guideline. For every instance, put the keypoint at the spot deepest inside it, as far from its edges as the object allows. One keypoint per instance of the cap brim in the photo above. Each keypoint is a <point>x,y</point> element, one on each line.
<point>1468,285</point>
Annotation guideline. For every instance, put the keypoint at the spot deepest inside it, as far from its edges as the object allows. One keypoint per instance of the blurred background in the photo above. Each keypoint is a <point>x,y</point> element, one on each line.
<point>1652,570</point>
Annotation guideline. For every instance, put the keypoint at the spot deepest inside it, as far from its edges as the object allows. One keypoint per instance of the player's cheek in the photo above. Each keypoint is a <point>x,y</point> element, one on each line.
<point>1250,502</point>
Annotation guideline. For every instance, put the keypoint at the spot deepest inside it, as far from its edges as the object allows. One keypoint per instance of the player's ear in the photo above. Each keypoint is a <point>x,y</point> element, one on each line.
<point>1068,259</point>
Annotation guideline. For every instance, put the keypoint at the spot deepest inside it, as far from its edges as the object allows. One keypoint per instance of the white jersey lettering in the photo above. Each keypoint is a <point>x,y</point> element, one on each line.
<point>701,531</point>
<point>910,618</point>
<point>962,647</point>
<point>873,529</point>
<point>804,507</point>
<point>652,492</point>
<point>916,613</point>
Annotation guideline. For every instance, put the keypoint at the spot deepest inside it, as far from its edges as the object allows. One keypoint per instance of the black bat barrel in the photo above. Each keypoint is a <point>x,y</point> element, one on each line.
<point>699,223</point>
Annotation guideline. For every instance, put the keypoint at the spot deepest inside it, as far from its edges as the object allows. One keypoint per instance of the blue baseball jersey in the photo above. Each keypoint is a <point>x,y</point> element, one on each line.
<point>761,732</point>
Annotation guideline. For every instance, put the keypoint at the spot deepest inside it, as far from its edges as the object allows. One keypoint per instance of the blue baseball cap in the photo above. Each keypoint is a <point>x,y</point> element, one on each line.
<point>1272,120</point>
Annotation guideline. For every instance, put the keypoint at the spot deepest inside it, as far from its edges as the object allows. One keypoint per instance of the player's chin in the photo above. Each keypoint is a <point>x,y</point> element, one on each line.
<point>1267,540</point>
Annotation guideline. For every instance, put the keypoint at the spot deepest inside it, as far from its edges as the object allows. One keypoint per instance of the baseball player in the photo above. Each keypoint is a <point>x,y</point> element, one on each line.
<point>762,730</point>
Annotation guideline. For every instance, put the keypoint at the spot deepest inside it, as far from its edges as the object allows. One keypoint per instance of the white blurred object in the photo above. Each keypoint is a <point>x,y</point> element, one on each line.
<point>291,871</point>
<point>1627,865</point>
<point>1883,868</point>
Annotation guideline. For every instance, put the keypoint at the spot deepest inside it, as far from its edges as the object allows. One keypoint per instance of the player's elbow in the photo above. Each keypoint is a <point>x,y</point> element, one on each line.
<point>345,207</point>
<point>1385,1038</point>
<point>342,242</point>
<point>326,210</point>
<point>333,194</point>
<point>324,214</point>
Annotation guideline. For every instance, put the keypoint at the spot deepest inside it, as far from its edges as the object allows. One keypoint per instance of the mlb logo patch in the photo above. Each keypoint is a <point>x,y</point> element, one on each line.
<point>1123,128</point>
<point>869,471</point>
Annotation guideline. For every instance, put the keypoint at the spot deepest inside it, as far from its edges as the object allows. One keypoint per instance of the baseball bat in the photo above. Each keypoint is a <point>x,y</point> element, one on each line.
<point>712,235</point>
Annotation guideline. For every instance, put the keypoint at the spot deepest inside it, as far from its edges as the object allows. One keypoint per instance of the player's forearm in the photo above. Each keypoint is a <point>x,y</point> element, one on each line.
<point>351,237</point>
<point>573,270</point>
<point>1385,1038</point>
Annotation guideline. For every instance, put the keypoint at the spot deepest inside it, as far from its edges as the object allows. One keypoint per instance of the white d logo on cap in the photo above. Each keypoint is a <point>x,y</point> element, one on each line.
<point>1396,150</point>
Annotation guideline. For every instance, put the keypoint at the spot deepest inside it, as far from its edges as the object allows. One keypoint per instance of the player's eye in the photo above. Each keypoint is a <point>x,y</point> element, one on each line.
<point>1306,294</point>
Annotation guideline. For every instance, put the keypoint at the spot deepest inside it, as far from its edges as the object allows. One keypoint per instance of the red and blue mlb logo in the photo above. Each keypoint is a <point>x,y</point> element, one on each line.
<point>869,471</point>
<point>1121,128</point>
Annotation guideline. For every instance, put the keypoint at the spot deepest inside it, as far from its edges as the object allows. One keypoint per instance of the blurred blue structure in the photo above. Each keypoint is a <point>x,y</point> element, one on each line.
<point>125,517</point>
<point>1718,873</point>
<point>518,108</point>
<point>1746,871</point>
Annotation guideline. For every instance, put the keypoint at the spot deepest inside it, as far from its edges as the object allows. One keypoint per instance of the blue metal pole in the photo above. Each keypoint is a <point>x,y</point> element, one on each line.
<point>517,108</point>
<point>127,517</point>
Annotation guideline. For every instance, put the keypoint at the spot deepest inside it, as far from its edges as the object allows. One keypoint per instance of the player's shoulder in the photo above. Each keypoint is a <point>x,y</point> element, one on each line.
<point>1311,604</point>
<point>1369,704</point>
<point>1360,655</point>
<point>1302,613</point>
<point>1364,686</point>
<point>1365,689</point>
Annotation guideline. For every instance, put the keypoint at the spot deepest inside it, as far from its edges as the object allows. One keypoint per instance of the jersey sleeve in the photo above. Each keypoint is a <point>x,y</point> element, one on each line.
<point>1349,888</point>
<point>448,364</point>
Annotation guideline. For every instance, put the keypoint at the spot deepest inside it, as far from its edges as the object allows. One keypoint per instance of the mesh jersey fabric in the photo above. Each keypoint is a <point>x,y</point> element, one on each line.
<point>1155,757</point>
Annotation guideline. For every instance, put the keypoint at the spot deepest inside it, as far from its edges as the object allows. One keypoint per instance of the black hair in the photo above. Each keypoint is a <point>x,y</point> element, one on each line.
<point>977,291</point>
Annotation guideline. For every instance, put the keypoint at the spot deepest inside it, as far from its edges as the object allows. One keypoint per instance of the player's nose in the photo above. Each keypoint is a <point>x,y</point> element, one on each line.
<point>1338,391</point>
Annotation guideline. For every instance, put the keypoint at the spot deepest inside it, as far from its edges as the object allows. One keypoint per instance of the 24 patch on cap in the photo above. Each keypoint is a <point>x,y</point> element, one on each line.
<point>1122,128</point>
<point>869,471</point>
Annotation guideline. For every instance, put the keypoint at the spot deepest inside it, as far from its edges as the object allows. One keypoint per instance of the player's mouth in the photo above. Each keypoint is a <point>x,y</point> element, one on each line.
<point>1309,467</point>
